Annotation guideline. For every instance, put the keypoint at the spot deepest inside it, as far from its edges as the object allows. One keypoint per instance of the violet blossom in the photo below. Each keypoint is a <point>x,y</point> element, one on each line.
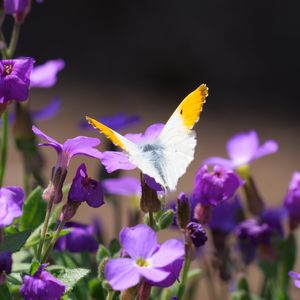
<point>85,189</point>
<point>11,203</point>
<point>45,76</point>
<point>145,258</point>
<point>296,278</point>
<point>242,149</point>
<point>124,186</point>
<point>5,265</point>
<point>213,188</point>
<point>80,238</point>
<point>15,6</point>
<point>14,79</point>
<point>42,286</point>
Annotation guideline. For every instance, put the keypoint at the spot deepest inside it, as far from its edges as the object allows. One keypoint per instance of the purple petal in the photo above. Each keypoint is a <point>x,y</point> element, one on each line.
<point>47,112</point>
<point>115,160</point>
<point>294,275</point>
<point>153,184</point>
<point>242,147</point>
<point>121,273</point>
<point>11,203</point>
<point>138,241</point>
<point>267,148</point>
<point>150,134</point>
<point>219,161</point>
<point>125,186</point>
<point>13,6</point>
<point>51,142</point>
<point>155,275</point>
<point>168,252</point>
<point>45,76</point>
<point>82,145</point>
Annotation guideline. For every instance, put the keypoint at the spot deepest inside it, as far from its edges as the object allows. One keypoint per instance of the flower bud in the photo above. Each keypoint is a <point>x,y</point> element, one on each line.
<point>68,211</point>
<point>197,234</point>
<point>202,213</point>
<point>149,200</point>
<point>183,211</point>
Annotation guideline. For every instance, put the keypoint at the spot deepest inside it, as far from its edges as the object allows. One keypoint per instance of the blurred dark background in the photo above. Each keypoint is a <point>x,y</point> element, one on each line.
<point>246,51</point>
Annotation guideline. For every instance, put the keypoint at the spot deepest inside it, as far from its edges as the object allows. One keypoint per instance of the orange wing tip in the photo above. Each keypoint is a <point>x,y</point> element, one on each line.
<point>91,121</point>
<point>203,89</point>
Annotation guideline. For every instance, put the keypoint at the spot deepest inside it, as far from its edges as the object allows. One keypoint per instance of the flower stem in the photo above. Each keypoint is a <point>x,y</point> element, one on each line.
<point>151,220</point>
<point>110,295</point>
<point>14,40</point>
<point>53,241</point>
<point>183,279</point>
<point>44,229</point>
<point>4,145</point>
<point>118,215</point>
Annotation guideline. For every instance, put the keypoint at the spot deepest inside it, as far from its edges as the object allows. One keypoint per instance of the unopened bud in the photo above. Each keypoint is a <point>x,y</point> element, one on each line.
<point>149,200</point>
<point>68,211</point>
<point>183,210</point>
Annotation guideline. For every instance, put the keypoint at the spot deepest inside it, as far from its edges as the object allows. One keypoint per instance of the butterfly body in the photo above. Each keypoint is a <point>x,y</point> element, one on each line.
<point>167,157</point>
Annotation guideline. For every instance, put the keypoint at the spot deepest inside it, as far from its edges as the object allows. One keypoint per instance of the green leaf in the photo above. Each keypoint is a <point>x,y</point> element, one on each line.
<point>34,267</point>
<point>70,277</point>
<point>96,289</point>
<point>114,247</point>
<point>166,219</point>
<point>34,210</point>
<point>4,292</point>
<point>102,253</point>
<point>194,273</point>
<point>14,242</point>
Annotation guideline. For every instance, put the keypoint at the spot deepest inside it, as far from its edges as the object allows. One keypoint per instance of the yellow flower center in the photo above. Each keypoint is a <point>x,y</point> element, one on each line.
<point>7,69</point>
<point>142,262</point>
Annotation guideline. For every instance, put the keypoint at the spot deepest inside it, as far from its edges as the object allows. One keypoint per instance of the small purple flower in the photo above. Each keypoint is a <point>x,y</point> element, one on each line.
<point>11,203</point>
<point>42,286</point>
<point>124,186</point>
<point>274,218</point>
<point>85,189</point>
<point>5,265</point>
<point>242,149</point>
<point>80,145</point>
<point>81,238</point>
<point>14,79</point>
<point>215,187</point>
<point>117,122</point>
<point>45,76</point>
<point>296,277</point>
<point>145,258</point>
<point>197,233</point>
<point>15,6</point>
<point>47,112</point>
<point>292,200</point>
<point>116,160</point>
<point>226,216</point>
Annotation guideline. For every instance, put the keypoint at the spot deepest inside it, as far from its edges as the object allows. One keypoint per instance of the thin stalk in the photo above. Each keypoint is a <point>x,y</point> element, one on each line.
<point>53,241</point>
<point>110,295</point>
<point>118,216</point>
<point>151,220</point>
<point>44,229</point>
<point>4,144</point>
<point>183,279</point>
<point>14,40</point>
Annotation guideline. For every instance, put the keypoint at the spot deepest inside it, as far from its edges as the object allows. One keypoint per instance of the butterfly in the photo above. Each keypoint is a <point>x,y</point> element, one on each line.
<point>167,157</point>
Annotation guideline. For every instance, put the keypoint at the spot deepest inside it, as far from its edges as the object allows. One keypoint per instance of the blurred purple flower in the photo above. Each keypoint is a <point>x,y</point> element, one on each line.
<point>81,238</point>
<point>197,233</point>
<point>116,122</point>
<point>296,277</point>
<point>85,189</point>
<point>80,145</point>
<point>42,286</point>
<point>226,216</point>
<point>292,200</point>
<point>15,6</point>
<point>5,265</point>
<point>14,79</point>
<point>274,218</point>
<point>145,258</point>
<point>215,187</point>
<point>124,186</point>
<point>116,160</point>
<point>45,76</point>
<point>11,203</point>
<point>242,149</point>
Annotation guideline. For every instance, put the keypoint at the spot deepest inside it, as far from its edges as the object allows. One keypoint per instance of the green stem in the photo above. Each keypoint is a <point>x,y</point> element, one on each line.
<point>151,220</point>
<point>53,241</point>
<point>110,295</point>
<point>183,279</point>
<point>4,145</point>
<point>14,40</point>
<point>44,229</point>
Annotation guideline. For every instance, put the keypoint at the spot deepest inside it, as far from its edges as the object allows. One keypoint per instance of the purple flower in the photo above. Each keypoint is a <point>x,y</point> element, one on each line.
<point>145,258</point>
<point>197,233</point>
<point>15,6</point>
<point>116,160</point>
<point>45,76</point>
<point>124,186</point>
<point>226,216</point>
<point>274,218</point>
<point>292,200</point>
<point>5,265</point>
<point>11,203</point>
<point>215,187</point>
<point>296,277</point>
<point>14,79</point>
<point>48,111</point>
<point>81,238</point>
<point>42,286</point>
<point>242,149</point>
<point>86,189</point>
<point>116,122</point>
<point>80,145</point>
